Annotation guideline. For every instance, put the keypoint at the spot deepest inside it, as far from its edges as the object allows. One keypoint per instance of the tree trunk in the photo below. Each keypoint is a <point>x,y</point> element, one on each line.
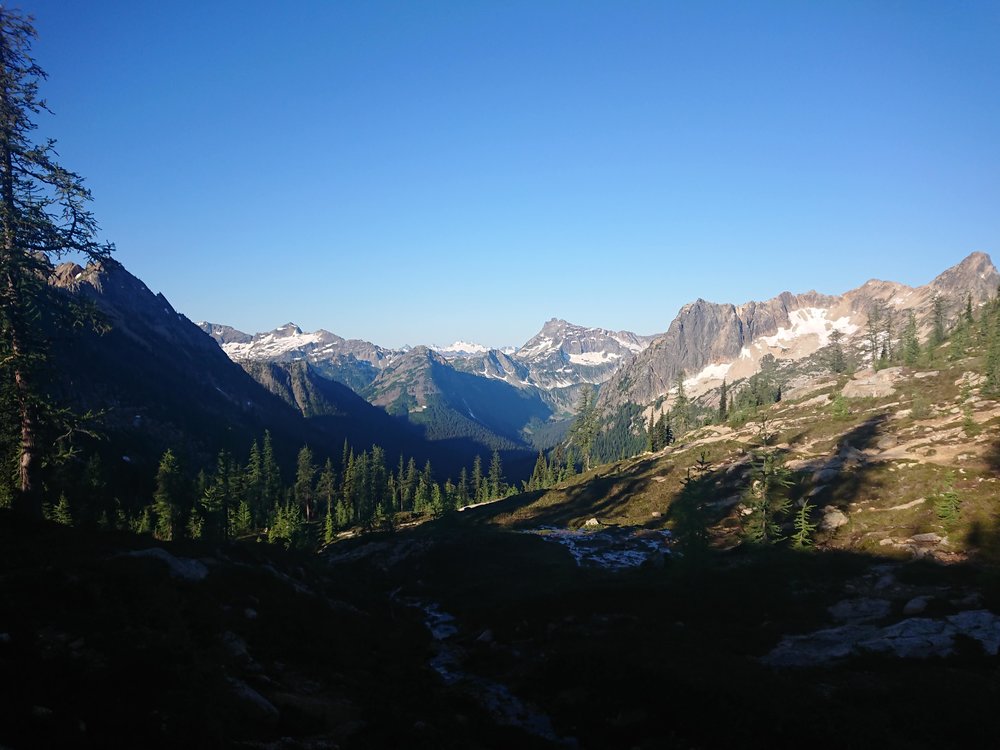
<point>11,267</point>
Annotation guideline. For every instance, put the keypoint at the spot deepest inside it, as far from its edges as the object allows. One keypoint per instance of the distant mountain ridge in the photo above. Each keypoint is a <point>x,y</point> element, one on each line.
<point>707,341</point>
<point>158,381</point>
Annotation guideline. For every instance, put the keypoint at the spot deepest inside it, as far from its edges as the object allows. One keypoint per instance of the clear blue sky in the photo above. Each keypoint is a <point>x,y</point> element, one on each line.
<point>424,171</point>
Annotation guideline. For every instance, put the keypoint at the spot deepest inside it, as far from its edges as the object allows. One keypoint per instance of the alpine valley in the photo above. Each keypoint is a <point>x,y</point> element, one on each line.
<point>777,520</point>
<point>762,524</point>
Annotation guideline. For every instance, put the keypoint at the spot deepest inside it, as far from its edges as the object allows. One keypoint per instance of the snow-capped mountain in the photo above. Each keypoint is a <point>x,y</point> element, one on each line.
<point>708,341</point>
<point>460,349</point>
<point>563,354</point>
<point>353,362</point>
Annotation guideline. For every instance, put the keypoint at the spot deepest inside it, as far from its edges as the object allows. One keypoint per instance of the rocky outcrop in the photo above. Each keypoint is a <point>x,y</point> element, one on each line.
<point>709,341</point>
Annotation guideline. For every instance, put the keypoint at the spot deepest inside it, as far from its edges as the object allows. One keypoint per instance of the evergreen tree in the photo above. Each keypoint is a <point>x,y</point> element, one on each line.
<point>664,432</point>
<point>539,477</point>
<point>304,473</point>
<point>270,473</point>
<point>462,489</point>
<point>410,485</point>
<point>766,498</point>
<point>938,322</point>
<point>477,478</point>
<point>329,525</point>
<point>804,527</point>
<point>873,332</point>
<point>836,361</point>
<point>911,342</point>
<point>242,519</point>
<point>723,402</point>
<point>215,498</point>
<point>63,513</point>
<point>424,494</point>
<point>43,217</point>
<point>680,411</point>
<point>253,483</point>
<point>287,526</point>
<point>689,514</point>
<point>496,482</point>
<point>326,486</point>
<point>584,427</point>
<point>168,498</point>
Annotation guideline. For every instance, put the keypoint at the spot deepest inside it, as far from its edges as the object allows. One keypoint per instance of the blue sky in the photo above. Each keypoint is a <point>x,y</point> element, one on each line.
<point>421,172</point>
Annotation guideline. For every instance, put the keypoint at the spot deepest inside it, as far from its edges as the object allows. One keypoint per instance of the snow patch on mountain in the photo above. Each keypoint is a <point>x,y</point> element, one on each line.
<point>461,348</point>
<point>810,321</point>
<point>274,344</point>
<point>708,374</point>
<point>594,358</point>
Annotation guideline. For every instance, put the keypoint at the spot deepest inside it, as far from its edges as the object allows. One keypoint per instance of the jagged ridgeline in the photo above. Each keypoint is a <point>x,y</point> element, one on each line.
<point>160,383</point>
<point>517,399</point>
<point>752,348</point>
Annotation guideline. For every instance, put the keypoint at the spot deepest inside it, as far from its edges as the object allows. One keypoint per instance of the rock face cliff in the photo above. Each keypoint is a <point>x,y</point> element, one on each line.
<point>707,342</point>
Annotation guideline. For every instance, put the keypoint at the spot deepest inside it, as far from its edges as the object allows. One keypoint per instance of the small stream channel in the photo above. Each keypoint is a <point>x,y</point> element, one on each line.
<point>610,547</point>
<point>495,697</point>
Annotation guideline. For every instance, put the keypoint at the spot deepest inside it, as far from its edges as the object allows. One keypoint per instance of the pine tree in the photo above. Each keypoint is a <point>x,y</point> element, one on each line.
<point>242,521</point>
<point>835,353</point>
<point>680,411</point>
<point>766,498</point>
<point>304,473</point>
<point>911,343</point>
<point>326,485</point>
<point>804,527</point>
<point>168,498</point>
<point>496,483</point>
<point>539,477</point>
<point>62,513</point>
<point>253,485</point>
<point>462,489</point>
<point>477,478</point>
<point>723,403</point>
<point>43,217</point>
<point>329,525</point>
<point>873,332</point>
<point>270,473</point>
<point>938,329</point>
<point>584,427</point>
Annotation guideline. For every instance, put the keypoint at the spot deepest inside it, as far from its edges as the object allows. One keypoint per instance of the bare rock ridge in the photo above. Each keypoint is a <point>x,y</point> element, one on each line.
<point>707,341</point>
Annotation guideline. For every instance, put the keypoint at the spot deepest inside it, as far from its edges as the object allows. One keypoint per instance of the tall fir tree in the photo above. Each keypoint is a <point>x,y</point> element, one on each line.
<point>168,499</point>
<point>305,472</point>
<point>496,482</point>
<point>43,217</point>
<point>911,340</point>
<point>270,473</point>
<point>584,428</point>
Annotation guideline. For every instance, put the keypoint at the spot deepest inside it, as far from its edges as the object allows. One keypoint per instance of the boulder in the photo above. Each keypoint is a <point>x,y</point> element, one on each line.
<point>916,605</point>
<point>980,624</point>
<point>915,638</point>
<point>860,610</point>
<point>832,519</point>
<point>180,567</point>
<point>869,384</point>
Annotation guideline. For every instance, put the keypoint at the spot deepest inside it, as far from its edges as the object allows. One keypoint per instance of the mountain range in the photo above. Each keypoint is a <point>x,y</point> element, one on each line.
<point>708,342</point>
<point>160,381</point>
<point>526,397</point>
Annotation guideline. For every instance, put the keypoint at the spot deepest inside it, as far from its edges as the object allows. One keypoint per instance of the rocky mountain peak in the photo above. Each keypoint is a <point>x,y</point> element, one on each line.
<point>707,341</point>
<point>975,275</point>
